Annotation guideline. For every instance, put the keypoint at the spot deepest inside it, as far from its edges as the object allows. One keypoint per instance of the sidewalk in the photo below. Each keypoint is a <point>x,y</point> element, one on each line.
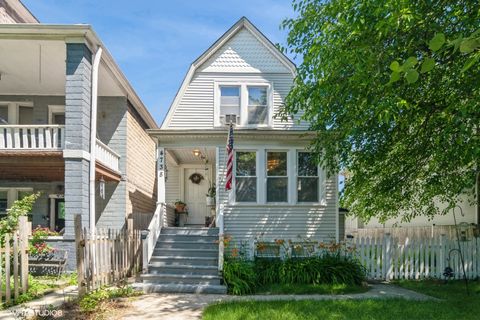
<point>52,301</point>
<point>189,306</point>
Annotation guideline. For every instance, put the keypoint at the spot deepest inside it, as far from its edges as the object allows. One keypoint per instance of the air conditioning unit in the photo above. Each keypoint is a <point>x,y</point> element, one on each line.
<point>226,119</point>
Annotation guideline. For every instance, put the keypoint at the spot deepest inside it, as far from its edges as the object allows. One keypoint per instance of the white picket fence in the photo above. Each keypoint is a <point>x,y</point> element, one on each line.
<point>386,258</point>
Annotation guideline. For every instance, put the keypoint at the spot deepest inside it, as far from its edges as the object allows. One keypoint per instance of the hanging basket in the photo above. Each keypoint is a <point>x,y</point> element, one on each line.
<point>196,178</point>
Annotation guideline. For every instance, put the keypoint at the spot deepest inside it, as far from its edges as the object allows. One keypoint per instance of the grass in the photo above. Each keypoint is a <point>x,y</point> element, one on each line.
<point>456,305</point>
<point>310,289</point>
<point>39,286</point>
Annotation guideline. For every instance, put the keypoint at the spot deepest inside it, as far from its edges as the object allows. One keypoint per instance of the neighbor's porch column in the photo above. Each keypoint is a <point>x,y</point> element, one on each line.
<point>77,134</point>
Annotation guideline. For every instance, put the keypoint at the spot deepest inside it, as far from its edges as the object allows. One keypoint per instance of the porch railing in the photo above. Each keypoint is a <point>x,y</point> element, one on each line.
<point>107,156</point>
<point>32,137</point>
<point>150,236</point>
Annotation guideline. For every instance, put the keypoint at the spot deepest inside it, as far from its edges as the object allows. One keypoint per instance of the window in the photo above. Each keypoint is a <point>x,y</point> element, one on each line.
<point>307,178</point>
<point>25,115</point>
<point>3,202</point>
<point>56,115</point>
<point>230,104</point>
<point>257,105</point>
<point>10,195</point>
<point>246,177</point>
<point>277,178</point>
<point>3,114</point>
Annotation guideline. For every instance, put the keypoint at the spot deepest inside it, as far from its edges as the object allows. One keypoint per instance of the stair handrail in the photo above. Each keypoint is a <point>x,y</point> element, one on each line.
<point>150,236</point>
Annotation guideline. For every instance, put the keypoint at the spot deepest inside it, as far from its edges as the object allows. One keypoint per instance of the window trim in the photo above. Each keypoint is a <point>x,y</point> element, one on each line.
<point>287,152</point>
<point>13,108</point>
<point>234,177</point>
<point>12,194</point>
<point>319,176</point>
<point>243,101</point>
<point>54,109</point>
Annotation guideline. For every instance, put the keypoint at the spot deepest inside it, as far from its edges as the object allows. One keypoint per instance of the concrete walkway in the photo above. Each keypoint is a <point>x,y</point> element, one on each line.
<point>190,306</point>
<point>52,300</point>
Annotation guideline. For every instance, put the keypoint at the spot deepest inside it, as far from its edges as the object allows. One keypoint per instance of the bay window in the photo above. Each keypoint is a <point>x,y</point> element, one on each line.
<point>277,177</point>
<point>246,176</point>
<point>307,178</point>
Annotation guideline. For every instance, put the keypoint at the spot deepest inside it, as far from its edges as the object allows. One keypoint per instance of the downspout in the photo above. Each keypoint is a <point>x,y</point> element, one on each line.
<point>93,136</point>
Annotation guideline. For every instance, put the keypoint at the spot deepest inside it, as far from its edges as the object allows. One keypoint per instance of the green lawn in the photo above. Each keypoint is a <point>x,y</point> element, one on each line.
<point>455,306</point>
<point>310,289</point>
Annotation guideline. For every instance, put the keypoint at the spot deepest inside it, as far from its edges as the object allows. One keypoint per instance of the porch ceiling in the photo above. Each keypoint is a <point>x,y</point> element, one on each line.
<point>185,155</point>
<point>38,67</point>
<point>32,166</point>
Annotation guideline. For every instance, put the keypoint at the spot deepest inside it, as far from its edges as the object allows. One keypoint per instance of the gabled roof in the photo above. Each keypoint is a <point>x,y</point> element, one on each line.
<point>229,34</point>
<point>18,11</point>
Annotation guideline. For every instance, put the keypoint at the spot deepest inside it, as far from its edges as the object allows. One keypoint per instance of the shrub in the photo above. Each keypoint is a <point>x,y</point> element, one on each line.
<point>239,276</point>
<point>37,245</point>
<point>19,208</point>
<point>332,264</point>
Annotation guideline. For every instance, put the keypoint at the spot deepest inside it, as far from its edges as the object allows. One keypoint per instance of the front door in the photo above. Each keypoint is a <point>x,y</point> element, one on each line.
<point>195,196</point>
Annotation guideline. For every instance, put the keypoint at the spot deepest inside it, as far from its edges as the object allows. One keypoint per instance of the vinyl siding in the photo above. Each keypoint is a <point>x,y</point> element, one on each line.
<point>245,222</point>
<point>196,107</point>
<point>172,183</point>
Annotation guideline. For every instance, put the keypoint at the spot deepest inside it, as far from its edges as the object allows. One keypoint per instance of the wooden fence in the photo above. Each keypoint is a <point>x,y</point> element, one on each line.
<point>14,263</point>
<point>106,257</point>
<point>387,258</point>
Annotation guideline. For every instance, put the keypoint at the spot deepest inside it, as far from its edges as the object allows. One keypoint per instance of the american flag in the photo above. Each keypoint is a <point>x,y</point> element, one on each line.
<point>228,184</point>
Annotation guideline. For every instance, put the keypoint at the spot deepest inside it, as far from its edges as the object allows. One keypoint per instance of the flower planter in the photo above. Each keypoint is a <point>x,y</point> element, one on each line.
<point>210,201</point>
<point>52,263</point>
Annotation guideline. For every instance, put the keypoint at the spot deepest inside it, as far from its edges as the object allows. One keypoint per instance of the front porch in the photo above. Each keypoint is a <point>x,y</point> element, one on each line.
<point>190,177</point>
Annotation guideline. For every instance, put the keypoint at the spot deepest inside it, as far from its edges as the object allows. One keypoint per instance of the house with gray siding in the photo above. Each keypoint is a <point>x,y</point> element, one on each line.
<point>71,128</point>
<point>278,191</point>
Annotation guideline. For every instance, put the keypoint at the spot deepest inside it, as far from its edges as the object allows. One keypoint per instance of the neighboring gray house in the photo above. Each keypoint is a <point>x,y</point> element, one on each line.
<point>52,78</point>
<point>278,191</point>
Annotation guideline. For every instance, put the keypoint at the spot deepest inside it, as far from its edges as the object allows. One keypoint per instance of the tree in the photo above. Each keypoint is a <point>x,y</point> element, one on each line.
<point>402,118</point>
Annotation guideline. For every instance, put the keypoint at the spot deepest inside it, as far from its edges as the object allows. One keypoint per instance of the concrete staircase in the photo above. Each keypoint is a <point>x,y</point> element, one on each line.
<point>185,260</point>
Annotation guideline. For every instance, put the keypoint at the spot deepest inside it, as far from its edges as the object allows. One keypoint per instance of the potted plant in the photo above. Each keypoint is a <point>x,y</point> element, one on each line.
<point>181,213</point>
<point>211,193</point>
<point>180,206</point>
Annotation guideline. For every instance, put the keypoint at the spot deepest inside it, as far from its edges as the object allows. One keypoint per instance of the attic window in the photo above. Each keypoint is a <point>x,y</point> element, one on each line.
<point>229,103</point>
<point>257,105</point>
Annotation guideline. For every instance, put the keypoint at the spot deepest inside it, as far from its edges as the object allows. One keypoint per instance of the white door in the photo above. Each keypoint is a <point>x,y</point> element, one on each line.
<point>195,196</point>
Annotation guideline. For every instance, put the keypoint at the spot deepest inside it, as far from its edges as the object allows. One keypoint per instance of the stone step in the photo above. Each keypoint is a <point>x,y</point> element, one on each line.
<point>172,278</point>
<point>190,231</point>
<point>156,268</point>
<point>186,252</point>
<point>169,260</point>
<point>179,244</point>
<point>183,288</point>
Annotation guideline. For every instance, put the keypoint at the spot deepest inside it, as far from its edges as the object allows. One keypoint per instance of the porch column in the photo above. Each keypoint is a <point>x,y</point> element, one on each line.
<point>77,134</point>
<point>161,169</point>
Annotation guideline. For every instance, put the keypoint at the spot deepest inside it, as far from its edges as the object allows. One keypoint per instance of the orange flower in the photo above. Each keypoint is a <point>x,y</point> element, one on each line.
<point>261,246</point>
<point>234,252</point>
<point>279,242</point>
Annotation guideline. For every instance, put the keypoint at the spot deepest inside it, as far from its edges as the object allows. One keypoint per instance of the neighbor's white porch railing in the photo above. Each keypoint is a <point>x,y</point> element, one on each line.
<point>107,156</point>
<point>150,236</point>
<point>32,137</point>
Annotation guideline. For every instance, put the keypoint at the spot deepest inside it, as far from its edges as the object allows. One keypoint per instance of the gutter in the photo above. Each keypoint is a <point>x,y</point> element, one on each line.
<point>93,136</point>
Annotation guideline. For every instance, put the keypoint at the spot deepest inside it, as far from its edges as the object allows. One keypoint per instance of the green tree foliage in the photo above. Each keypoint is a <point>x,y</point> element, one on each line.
<point>392,90</point>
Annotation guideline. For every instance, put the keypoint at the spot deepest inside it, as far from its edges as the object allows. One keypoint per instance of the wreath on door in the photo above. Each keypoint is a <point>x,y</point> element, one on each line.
<point>196,178</point>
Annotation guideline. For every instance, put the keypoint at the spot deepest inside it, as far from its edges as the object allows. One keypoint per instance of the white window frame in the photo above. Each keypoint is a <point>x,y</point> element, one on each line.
<point>243,102</point>
<point>288,176</point>
<point>234,177</point>
<point>13,110</point>
<point>319,176</point>
<point>53,109</point>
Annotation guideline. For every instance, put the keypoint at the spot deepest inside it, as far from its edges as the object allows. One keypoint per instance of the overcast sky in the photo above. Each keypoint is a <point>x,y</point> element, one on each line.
<point>154,42</point>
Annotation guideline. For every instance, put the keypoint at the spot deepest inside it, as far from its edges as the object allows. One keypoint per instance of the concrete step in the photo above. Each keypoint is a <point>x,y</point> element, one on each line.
<point>190,231</point>
<point>186,252</point>
<point>172,278</point>
<point>156,268</point>
<point>175,260</point>
<point>179,244</point>
<point>188,237</point>
<point>183,288</point>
